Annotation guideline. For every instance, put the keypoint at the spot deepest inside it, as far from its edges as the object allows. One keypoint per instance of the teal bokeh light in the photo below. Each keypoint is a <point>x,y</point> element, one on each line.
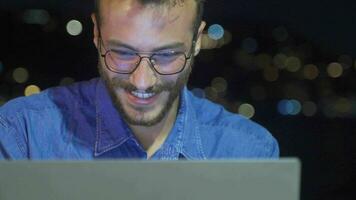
<point>289,107</point>
<point>216,32</point>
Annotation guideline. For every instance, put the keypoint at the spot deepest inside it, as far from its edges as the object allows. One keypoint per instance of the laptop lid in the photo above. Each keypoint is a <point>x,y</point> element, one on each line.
<point>150,180</point>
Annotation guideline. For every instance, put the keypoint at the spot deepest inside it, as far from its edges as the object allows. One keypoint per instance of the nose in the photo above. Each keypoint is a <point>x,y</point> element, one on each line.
<point>144,76</point>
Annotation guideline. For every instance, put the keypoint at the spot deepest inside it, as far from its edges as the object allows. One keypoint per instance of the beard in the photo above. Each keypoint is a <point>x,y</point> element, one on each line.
<point>173,88</point>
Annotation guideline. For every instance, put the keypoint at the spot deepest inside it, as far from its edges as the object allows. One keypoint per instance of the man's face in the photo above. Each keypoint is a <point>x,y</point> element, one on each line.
<point>144,97</point>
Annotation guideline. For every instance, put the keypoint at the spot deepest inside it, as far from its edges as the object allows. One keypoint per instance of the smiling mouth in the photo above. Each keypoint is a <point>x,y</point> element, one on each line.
<point>142,95</point>
<point>140,98</point>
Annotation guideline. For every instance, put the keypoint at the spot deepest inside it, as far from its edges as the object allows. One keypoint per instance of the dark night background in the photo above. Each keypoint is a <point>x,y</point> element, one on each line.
<point>292,61</point>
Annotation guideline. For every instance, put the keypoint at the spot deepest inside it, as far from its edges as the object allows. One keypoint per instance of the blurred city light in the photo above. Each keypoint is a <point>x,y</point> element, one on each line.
<point>211,93</point>
<point>310,72</point>
<point>279,60</point>
<point>36,16</point>
<point>198,92</point>
<point>74,27</point>
<point>289,107</point>
<point>246,110</point>
<point>343,105</point>
<point>309,108</point>
<point>208,43</point>
<point>227,37</point>
<point>216,31</point>
<point>335,70</point>
<point>297,107</point>
<point>20,75</point>
<point>270,73</point>
<point>220,84</point>
<point>32,89</point>
<point>293,64</point>
<point>337,107</point>
<point>284,107</point>
<point>280,34</point>
<point>66,81</point>
<point>249,45</point>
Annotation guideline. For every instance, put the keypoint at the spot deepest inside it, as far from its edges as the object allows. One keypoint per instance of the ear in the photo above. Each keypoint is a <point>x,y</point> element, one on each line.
<point>95,30</point>
<point>199,38</point>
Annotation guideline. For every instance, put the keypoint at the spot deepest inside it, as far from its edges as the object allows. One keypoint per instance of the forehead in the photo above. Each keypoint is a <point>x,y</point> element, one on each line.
<point>147,25</point>
<point>156,14</point>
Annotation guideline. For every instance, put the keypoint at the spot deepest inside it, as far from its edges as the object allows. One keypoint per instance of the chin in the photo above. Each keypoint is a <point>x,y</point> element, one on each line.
<point>141,117</point>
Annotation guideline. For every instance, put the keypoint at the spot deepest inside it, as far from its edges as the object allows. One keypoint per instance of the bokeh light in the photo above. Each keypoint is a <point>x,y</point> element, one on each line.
<point>335,70</point>
<point>74,27</point>
<point>36,16</point>
<point>289,107</point>
<point>249,45</point>
<point>310,72</point>
<point>342,105</point>
<point>280,34</point>
<point>293,64</point>
<point>198,92</point>
<point>309,108</point>
<point>270,73</point>
<point>227,37</point>
<point>66,81</point>
<point>246,110</point>
<point>32,89</point>
<point>211,93</point>
<point>220,84</point>
<point>20,75</point>
<point>279,60</point>
<point>215,31</point>
<point>208,43</point>
<point>335,106</point>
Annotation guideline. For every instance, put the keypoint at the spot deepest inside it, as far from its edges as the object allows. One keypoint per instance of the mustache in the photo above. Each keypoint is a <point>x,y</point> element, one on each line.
<point>157,88</point>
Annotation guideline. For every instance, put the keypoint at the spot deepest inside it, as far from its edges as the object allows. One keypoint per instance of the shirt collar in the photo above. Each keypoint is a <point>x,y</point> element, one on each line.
<point>112,131</point>
<point>191,138</point>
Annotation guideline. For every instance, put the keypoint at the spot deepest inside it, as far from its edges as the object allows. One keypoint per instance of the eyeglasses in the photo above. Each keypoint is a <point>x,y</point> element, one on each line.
<point>164,63</point>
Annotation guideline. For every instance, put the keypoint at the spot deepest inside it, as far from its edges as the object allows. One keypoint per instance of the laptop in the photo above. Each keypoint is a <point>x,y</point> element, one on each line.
<point>150,180</point>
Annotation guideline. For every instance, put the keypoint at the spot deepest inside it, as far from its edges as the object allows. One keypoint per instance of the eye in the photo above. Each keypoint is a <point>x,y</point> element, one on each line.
<point>168,54</point>
<point>123,54</point>
<point>164,58</point>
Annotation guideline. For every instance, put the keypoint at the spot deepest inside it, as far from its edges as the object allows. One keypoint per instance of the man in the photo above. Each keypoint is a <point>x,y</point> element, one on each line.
<point>139,107</point>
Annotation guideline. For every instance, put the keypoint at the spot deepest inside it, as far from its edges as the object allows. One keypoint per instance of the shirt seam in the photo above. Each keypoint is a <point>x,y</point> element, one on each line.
<point>11,130</point>
<point>2,122</point>
<point>17,137</point>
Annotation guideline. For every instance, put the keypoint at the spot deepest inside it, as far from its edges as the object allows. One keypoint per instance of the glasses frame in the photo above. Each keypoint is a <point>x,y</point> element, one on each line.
<point>104,56</point>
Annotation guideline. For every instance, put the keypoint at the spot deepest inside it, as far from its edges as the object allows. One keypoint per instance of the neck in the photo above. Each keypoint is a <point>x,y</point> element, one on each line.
<point>156,134</point>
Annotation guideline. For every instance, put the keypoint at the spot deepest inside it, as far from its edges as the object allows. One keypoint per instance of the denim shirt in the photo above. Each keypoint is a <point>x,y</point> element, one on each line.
<point>81,122</point>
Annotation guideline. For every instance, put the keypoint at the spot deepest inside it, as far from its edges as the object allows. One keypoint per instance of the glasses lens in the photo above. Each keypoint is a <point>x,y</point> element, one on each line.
<point>122,62</point>
<point>168,63</point>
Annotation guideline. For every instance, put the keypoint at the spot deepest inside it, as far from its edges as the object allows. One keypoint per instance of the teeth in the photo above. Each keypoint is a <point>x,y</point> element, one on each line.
<point>142,95</point>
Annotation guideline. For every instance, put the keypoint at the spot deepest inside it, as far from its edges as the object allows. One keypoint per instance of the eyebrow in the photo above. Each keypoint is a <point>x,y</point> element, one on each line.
<point>118,43</point>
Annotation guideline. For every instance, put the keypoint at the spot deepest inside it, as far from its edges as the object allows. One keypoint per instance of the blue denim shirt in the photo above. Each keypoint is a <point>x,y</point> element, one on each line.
<point>80,122</point>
